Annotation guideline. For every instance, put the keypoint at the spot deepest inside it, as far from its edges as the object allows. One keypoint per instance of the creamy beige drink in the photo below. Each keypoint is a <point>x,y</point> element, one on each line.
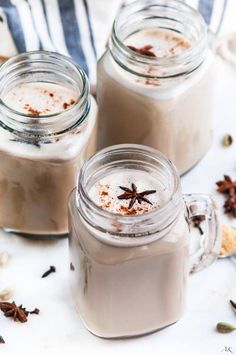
<point>40,98</point>
<point>45,137</point>
<point>133,283</point>
<point>155,85</point>
<point>129,240</point>
<point>158,43</point>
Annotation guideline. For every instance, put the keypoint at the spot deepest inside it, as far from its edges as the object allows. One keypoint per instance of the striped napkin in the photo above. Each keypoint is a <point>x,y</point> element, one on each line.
<point>76,28</point>
<point>80,28</point>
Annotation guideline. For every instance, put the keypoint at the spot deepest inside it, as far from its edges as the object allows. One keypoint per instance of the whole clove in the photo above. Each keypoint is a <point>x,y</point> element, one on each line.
<point>197,220</point>
<point>49,271</point>
<point>35,311</point>
<point>233,304</point>
<point>72,268</point>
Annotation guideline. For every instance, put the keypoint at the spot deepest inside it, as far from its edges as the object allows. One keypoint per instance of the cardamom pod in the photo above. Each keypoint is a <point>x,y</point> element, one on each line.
<point>227,140</point>
<point>223,327</point>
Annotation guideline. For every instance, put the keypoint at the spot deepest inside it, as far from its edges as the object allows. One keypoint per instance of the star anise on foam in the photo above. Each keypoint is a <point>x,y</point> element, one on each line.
<point>18,313</point>
<point>134,195</point>
<point>226,186</point>
<point>145,50</point>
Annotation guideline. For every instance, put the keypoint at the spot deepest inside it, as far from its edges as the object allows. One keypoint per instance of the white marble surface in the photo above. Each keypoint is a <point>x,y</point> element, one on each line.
<point>58,329</point>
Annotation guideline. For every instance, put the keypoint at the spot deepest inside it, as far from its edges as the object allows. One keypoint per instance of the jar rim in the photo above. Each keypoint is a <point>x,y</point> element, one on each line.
<point>121,53</point>
<point>80,106</point>
<point>83,199</point>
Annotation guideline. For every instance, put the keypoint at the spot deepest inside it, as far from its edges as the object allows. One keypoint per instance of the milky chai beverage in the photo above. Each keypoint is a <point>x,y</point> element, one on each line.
<point>129,240</point>
<point>155,82</point>
<point>47,131</point>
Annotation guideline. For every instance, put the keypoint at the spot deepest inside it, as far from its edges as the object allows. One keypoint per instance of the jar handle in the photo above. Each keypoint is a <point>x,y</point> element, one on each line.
<point>206,240</point>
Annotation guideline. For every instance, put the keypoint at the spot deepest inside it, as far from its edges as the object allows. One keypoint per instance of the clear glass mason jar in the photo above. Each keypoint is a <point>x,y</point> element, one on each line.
<point>163,101</point>
<point>41,152</point>
<point>129,272</point>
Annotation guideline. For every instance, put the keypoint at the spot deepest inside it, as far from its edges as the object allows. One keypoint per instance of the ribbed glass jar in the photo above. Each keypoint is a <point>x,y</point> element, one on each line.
<point>129,270</point>
<point>42,149</point>
<point>155,81</point>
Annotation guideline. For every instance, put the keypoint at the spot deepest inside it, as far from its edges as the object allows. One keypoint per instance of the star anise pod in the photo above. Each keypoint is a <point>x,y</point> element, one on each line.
<point>145,50</point>
<point>230,205</point>
<point>134,195</point>
<point>12,310</point>
<point>18,313</point>
<point>227,186</point>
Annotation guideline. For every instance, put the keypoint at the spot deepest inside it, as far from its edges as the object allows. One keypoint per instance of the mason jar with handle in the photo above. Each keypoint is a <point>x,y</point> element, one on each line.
<point>130,241</point>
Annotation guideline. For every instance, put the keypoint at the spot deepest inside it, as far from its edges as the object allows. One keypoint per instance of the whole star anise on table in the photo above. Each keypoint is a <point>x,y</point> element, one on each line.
<point>230,205</point>
<point>226,186</point>
<point>18,313</point>
<point>134,195</point>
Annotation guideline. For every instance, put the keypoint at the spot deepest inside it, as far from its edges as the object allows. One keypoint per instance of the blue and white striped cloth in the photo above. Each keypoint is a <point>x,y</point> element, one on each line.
<point>80,28</point>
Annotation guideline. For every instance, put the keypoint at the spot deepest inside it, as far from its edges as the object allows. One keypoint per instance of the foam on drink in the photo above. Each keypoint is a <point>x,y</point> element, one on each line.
<point>40,98</point>
<point>105,192</point>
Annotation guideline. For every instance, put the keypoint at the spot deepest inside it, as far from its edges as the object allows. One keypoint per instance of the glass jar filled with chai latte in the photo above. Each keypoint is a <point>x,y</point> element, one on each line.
<point>47,131</point>
<point>155,81</point>
<point>129,241</point>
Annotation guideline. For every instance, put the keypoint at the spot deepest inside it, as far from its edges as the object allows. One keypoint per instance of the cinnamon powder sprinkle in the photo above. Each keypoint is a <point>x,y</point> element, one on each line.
<point>68,104</point>
<point>31,110</point>
<point>34,112</point>
<point>145,50</point>
<point>47,92</point>
<point>134,211</point>
<point>106,205</point>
